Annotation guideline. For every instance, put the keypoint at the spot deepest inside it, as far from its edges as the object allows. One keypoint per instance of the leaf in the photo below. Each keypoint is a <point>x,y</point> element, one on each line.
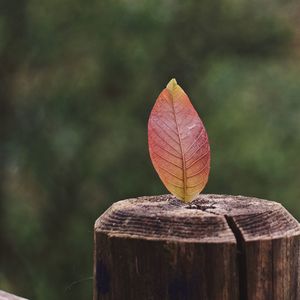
<point>178,143</point>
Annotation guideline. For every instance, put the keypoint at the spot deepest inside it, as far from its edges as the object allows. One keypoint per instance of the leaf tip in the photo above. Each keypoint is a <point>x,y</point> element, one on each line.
<point>172,85</point>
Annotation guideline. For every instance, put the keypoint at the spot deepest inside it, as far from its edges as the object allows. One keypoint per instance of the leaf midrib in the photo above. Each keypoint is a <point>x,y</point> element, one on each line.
<point>181,150</point>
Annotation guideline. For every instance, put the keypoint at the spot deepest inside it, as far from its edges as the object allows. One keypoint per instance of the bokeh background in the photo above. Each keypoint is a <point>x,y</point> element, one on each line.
<point>77,82</point>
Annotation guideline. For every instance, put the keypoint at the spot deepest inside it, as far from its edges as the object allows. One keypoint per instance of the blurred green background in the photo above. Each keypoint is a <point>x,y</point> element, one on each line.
<point>77,82</point>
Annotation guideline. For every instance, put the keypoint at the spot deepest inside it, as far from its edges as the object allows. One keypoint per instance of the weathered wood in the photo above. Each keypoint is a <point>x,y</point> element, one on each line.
<point>218,247</point>
<point>7,296</point>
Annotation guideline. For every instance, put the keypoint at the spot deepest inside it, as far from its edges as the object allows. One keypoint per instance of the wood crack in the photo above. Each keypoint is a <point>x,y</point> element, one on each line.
<point>241,257</point>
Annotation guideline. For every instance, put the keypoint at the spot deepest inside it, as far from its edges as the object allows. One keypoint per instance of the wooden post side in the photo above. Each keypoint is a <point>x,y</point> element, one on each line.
<point>160,248</point>
<point>271,242</point>
<point>217,247</point>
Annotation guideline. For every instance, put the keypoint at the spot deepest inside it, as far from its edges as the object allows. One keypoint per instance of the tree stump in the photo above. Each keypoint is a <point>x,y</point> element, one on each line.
<point>218,247</point>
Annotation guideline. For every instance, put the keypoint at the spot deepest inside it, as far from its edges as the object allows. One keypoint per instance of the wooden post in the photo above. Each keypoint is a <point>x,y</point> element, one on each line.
<point>218,247</point>
<point>7,296</point>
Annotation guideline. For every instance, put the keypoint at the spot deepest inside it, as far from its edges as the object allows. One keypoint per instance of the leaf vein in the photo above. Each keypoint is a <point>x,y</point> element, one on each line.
<point>199,171</point>
<point>165,142</point>
<point>163,158</point>
<point>196,160</point>
<point>170,173</point>
<point>164,130</point>
<point>195,140</point>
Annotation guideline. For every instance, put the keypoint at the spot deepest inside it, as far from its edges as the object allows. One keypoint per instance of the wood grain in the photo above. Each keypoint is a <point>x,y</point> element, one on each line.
<point>217,247</point>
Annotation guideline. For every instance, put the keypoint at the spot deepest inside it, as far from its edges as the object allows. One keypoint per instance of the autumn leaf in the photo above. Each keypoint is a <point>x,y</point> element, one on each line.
<point>178,143</point>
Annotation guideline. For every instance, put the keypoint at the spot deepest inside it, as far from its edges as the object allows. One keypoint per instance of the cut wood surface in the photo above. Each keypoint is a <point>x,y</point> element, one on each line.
<point>218,247</point>
<point>7,296</point>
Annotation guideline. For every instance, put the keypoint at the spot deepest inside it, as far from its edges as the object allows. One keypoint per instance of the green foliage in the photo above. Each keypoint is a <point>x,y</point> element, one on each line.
<point>87,76</point>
